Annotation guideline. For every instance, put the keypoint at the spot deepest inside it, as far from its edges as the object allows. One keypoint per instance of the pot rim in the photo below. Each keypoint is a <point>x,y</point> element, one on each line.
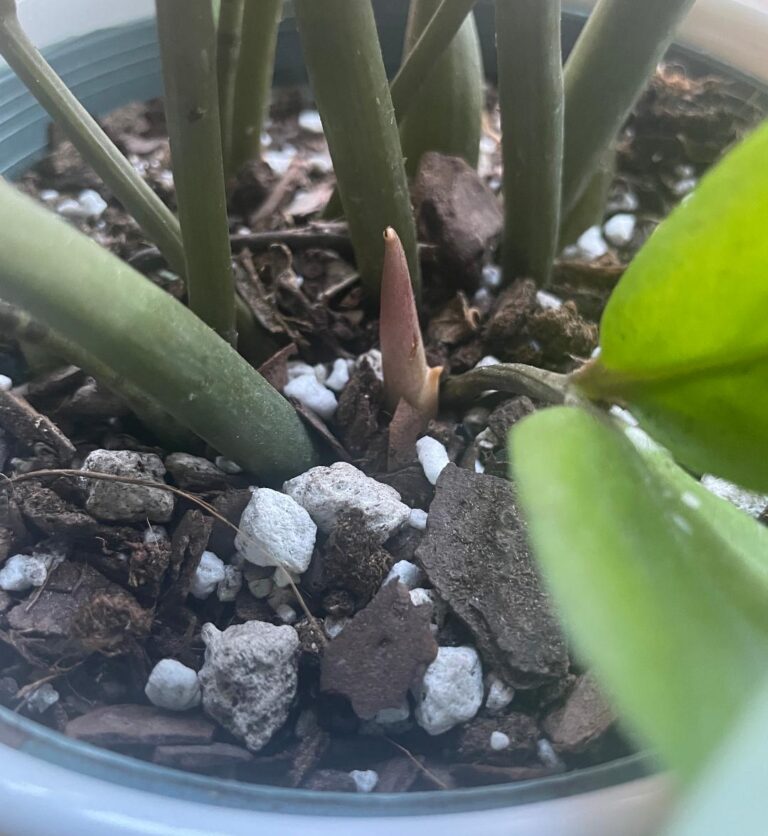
<point>31,738</point>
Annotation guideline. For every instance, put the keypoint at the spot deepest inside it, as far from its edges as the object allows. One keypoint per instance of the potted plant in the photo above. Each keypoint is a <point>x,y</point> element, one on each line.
<point>196,382</point>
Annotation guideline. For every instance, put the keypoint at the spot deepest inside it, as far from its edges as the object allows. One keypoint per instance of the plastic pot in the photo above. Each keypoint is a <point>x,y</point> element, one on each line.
<point>107,53</point>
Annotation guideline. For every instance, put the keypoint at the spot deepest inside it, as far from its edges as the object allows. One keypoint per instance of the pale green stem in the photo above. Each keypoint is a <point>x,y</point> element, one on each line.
<point>229,41</point>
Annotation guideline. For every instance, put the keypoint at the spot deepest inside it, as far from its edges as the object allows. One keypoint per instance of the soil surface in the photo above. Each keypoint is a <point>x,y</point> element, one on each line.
<point>124,576</point>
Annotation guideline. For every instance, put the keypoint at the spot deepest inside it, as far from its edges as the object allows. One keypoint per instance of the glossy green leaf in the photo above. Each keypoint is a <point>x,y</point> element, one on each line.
<point>685,334</point>
<point>663,586</point>
<point>731,796</point>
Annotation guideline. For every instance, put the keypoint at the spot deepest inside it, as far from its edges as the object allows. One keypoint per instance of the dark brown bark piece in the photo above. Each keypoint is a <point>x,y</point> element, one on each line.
<point>140,725</point>
<point>26,424</point>
<point>331,780</point>
<point>456,211</point>
<point>476,556</point>
<point>358,414</point>
<point>380,654</point>
<point>188,543</point>
<point>584,718</point>
<point>474,740</point>
<point>212,757</point>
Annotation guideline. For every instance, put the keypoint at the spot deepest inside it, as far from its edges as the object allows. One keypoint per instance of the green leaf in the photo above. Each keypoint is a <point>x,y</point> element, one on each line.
<point>731,796</point>
<point>685,334</point>
<point>663,586</point>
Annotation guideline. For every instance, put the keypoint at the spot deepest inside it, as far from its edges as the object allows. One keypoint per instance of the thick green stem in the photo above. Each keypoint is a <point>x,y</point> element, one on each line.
<point>188,51</point>
<point>228,43</point>
<point>144,336</point>
<point>18,325</point>
<point>343,57</point>
<point>515,378</point>
<point>254,79</point>
<point>615,55</point>
<point>446,112</point>
<point>152,215</point>
<point>531,100</point>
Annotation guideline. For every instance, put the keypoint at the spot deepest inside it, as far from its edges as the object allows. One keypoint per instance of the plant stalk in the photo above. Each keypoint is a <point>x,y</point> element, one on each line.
<point>254,80</point>
<point>228,44</point>
<point>515,378</point>
<point>152,215</point>
<point>531,100</point>
<point>188,51</point>
<point>446,113</point>
<point>144,336</point>
<point>343,57</point>
<point>617,52</point>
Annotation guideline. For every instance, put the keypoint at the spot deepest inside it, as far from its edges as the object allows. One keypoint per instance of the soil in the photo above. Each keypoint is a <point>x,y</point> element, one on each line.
<point>116,601</point>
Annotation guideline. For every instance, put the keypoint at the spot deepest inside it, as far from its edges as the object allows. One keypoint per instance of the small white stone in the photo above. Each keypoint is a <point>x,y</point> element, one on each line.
<point>321,373</point>
<point>333,626</point>
<point>123,502</point>
<point>452,690</point>
<point>684,187</point>
<point>276,531</point>
<point>6,384</point>
<point>286,614</point>
<point>326,492</point>
<point>156,535</point>
<point>48,195</point>
<point>750,502</point>
<point>339,376</point>
<point>309,120</point>
<point>418,519</point>
<point>208,575</point>
<point>421,596</point>
<point>173,686</point>
<point>547,754</point>
<point>249,678</point>
<point>91,203</point>
<point>280,161</point>
<point>591,243</point>
<point>298,368</point>
<point>283,578</point>
<point>620,229</point>
<point>227,466</point>
<point>407,573</point>
<point>488,360</point>
<point>491,278</point>
<point>374,358</point>
<point>311,393</point>
<point>41,699</point>
<point>499,741</point>
<point>261,587</point>
<point>230,584</point>
<point>365,779</point>
<point>391,716</point>
<point>479,466</point>
<point>548,301</point>
<point>433,457</point>
<point>70,208</point>
<point>22,572</point>
<point>500,695</point>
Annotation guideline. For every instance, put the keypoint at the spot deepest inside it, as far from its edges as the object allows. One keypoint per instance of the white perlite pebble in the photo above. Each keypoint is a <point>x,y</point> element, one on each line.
<point>748,501</point>
<point>407,573</point>
<point>339,376</point>
<point>499,741</point>
<point>118,502</point>
<point>452,690</point>
<point>276,531</point>
<point>309,120</point>
<point>40,700</point>
<point>326,492</point>
<point>286,614</point>
<point>488,360</point>
<point>91,203</point>
<point>499,696</point>
<point>334,626</point>
<point>249,678</point>
<point>173,686</point>
<point>230,584</point>
<point>433,457</point>
<point>307,390</point>
<point>620,229</point>
<point>6,384</point>
<point>298,368</point>
<point>591,243</point>
<point>208,575</point>
<point>548,301</point>
<point>418,519</point>
<point>23,571</point>
<point>365,779</point>
<point>374,358</point>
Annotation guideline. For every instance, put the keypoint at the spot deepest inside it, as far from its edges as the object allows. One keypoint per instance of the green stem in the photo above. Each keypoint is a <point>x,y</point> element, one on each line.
<point>446,113</point>
<point>515,378</point>
<point>589,209</point>
<point>615,55</point>
<point>343,57</point>
<point>188,50</point>
<point>144,336</point>
<point>157,221</point>
<point>18,325</point>
<point>254,79</point>
<point>531,100</point>
<point>229,39</point>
